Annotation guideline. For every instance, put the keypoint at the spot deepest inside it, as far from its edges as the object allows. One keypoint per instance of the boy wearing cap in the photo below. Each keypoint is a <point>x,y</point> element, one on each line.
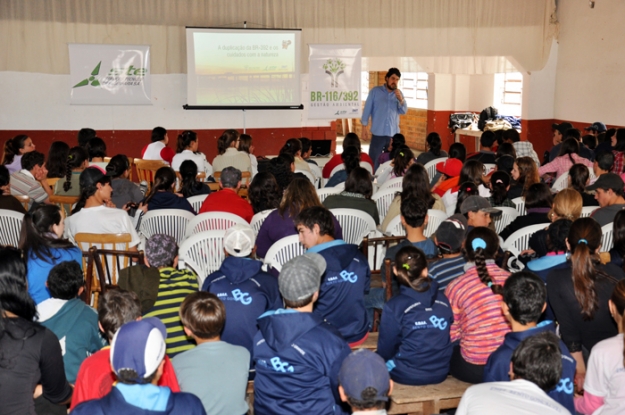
<point>524,301</point>
<point>297,353</point>
<point>609,193</point>
<point>246,291</point>
<point>450,174</point>
<point>137,358</point>
<point>95,378</point>
<point>228,199</point>
<point>347,277</point>
<point>365,383</point>
<point>478,212</point>
<point>214,371</point>
<point>449,238</point>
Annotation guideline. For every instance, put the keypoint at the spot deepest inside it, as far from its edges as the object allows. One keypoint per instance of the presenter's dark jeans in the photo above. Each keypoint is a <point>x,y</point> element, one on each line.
<point>378,142</point>
<point>463,370</point>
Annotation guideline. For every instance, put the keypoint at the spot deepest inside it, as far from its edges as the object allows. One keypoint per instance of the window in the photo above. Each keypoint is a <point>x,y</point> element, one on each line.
<point>509,93</point>
<point>414,86</point>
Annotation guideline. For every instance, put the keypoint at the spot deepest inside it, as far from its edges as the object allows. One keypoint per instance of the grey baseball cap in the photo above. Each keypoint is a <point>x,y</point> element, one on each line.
<point>300,277</point>
<point>475,203</point>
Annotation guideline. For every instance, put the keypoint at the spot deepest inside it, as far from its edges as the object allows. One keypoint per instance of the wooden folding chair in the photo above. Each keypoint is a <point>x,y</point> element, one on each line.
<point>52,181</point>
<point>103,279</point>
<point>65,203</point>
<point>24,200</point>
<point>146,169</point>
<point>131,161</point>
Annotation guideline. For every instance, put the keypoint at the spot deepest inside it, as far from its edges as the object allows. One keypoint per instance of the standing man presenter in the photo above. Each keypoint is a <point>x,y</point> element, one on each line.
<point>384,105</point>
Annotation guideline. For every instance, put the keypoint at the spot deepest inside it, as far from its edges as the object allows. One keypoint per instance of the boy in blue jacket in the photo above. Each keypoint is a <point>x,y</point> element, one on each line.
<point>524,300</point>
<point>414,330</point>
<point>246,291</point>
<point>347,277</point>
<point>298,355</point>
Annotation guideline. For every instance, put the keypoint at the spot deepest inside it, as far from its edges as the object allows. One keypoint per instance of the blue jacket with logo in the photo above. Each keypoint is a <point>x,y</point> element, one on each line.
<point>498,364</point>
<point>414,336</point>
<point>247,292</point>
<point>343,288</point>
<point>298,357</point>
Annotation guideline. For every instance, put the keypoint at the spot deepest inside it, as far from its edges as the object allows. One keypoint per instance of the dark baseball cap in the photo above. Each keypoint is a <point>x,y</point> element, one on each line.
<point>450,234</point>
<point>476,203</point>
<point>362,370</point>
<point>607,181</point>
<point>562,127</point>
<point>596,126</point>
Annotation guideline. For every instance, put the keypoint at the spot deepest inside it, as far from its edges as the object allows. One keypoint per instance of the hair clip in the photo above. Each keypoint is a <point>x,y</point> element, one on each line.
<point>582,241</point>
<point>406,266</point>
<point>478,243</point>
<point>499,181</point>
<point>401,153</point>
<point>71,156</point>
<point>490,284</point>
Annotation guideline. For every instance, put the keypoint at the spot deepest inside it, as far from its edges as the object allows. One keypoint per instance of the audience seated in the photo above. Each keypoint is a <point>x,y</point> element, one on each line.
<point>162,196</point>
<point>524,300</point>
<point>478,212</point>
<point>414,330</point>
<point>617,253</point>
<point>124,191</point>
<point>190,185</point>
<point>397,141</point>
<point>538,203</point>
<point>559,132</point>
<point>347,276</point>
<point>603,163</point>
<point>95,378</point>
<point>602,385</point>
<point>137,358</point>
<point>535,368</point>
<point>214,371</point>
<point>84,135</point>
<point>449,239</point>
<point>298,196</point>
<point>357,195</point>
<point>96,149</point>
<point>449,177</point>
<point>574,133</point>
<point>351,160</point>
<point>41,240</point>
<point>605,145</point>
<point>486,154</point>
<point>307,150</point>
<point>434,144</point>
<point>228,199</point>
<point>293,147</point>
<point>475,299</point>
<point>245,146</point>
<point>522,148</point>
<point>245,290</point>
<point>7,201</point>
<point>77,161</point>
<point>264,192</point>
<point>31,180</point>
<point>568,156</point>
<point>187,149</point>
<point>14,149</point>
<point>555,255</point>
<point>282,168</point>
<point>609,193</point>
<point>297,354</point>
<point>157,149</point>
<point>350,140</point>
<point>471,172</point>
<point>31,354</point>
<point>73,322</point>
<point>579,294</point>
<point>499,186</point>
<point>524,173</point>
<point>579,178</point>
<point>404,158</point>
<point>229,155</point>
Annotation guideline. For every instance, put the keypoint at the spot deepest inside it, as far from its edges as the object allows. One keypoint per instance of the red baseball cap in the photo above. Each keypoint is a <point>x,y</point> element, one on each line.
<point>450,167</point>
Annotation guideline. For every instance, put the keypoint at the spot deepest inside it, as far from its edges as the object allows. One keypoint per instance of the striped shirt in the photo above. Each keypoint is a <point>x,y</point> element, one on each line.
<point>173,288</point>
<point>479,323</point>
<point>446,270</point>
<point>24,183</point>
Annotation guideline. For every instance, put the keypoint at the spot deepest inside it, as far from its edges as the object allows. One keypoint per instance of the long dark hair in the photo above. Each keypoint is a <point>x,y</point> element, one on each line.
<point>465,190</point>
<point>416,183</point>
<point>292,147</point>
<point>226,139</point>
<point>87,191</point>
<point>188,172</point>
<point>299,195</point>
<point>434,143</point>
<point>619,232</point>
<point>75,158</point>
<point>351,158</point>
<point>14,295</point>
<point>184,140</point>
<point>12,148</point>
<point>410,262</point>
<point>57,159</point>
<point>569,147</point>
<point>579,175</point>
<point>482,244</point>
<point>37,237</point>
<point>620,141</point>
<point>499,182</point>
<point>264,192</point>
<point>164,179</point>
<point>472,171</point>
<point>403,157</point>
<point>359,181</point>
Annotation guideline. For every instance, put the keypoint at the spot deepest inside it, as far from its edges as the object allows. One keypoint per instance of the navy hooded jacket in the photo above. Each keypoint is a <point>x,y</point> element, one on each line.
<point>247,292</point>
<point>343,288</point>
<point>498,364</point>
<point>298,357</point>
<point>414,336</point>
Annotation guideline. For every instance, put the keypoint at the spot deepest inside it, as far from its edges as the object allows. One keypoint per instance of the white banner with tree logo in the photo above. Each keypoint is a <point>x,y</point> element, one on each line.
<point>110,74</point>
<point>334,81</point>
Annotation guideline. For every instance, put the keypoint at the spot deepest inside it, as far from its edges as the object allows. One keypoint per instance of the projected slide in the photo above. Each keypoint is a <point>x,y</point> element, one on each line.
<point>243,68</point>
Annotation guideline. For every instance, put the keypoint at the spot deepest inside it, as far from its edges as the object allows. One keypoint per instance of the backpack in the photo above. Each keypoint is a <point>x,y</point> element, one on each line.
<point>487,114</point>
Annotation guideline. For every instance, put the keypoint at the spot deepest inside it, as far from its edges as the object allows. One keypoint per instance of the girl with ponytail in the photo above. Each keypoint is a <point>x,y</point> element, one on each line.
<point>475,298</point>
<point>14,149</point>
<point>603,383</point>
<point>414,331</point>
<point>499,186</point>
<point>579,292</point>
<point>162,194</point>
<point>404,158</point>
<point>77,161</point>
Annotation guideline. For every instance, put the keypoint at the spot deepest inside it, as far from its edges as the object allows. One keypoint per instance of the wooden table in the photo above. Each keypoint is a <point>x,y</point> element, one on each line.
<point>428,399</point>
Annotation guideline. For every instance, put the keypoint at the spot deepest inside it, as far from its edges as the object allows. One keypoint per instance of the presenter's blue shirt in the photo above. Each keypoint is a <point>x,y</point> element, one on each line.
<point>384,109</point>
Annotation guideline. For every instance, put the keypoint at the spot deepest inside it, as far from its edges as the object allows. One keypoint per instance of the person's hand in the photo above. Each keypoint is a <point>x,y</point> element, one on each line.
<point>527,252</point>
<point>399,96</point>
<point>42,174</point>
<point>38,391</point>
<point>109,203</point>
<point>365,133</point>
<point>441,179</point>
<point>143,207</point>
<point>579,381</point>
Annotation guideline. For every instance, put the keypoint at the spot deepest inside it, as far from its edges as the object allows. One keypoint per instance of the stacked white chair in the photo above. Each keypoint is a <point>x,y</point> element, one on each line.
<point>430,166</point>
<point>283,250</point>
<point>508,214</point>
<point>607,238</point>
<point>203,253</point>
<point>211,221</point>
<point>327,191</point>
<point>561,182</point>
<point>394,183</point>
<point>587,211</point>
<point>355,224</point>
<point>10,227</point>
<point>520,205</point>
<point>383,199</point>
<point>172,222</point>
<point>196,202</point>
<point>519,240</point>
<point>258,219</point>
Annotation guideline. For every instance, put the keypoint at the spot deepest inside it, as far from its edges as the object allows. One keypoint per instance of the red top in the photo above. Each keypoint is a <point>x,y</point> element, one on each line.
<point>336,160</point>
<point>95,377</point>
<point>227,200</point>
<point>166,153</point>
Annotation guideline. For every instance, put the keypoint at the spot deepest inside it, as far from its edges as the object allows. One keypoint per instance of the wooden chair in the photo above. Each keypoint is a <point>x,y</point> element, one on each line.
<point>66,203</point>
<point>146,169</point>
<point>24,200</point>
<point>245,177</point>
<point>131,161</point>
<point>427,399</point>
<point>52,181</point>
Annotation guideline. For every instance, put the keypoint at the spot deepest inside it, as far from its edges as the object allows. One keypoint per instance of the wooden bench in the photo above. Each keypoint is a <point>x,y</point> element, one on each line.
<point>427,399</point>
<point>371,343</point>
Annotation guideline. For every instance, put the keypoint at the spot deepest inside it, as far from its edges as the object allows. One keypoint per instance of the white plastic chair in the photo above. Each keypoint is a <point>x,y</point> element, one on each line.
<point>367,167</point>
<point>338,168</point>
<point>520,205</point>
<point>283,250</point>
<point>394,183</point>
<point>395,227</point>
<point>172,222</point>
<point>561,182</point>
<point>587,211</point>
<point>382,174</point>
<point>488,167</point>
<point>355,224</point>
<point>196,202</point>
<point>435,217</point>
<point>258,219</point>
<point>382,166</point>
<point>11,225</point>
<point>318,173</point>
<point>203,253</point>
<point>607,241</point>
<point>508,214</point>
<point>327,191</point>
<point>340,187</point>
<point>430,166</point>
<point>519,240</point>
<point>383,199</point>
<point>210,221</point>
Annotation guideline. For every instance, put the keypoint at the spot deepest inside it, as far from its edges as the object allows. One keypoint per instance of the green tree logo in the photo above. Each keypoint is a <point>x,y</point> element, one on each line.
<point>92,79</point>
<point>334,67</point>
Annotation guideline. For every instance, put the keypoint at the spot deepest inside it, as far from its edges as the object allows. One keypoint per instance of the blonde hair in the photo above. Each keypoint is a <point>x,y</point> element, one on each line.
<point>567,205</point>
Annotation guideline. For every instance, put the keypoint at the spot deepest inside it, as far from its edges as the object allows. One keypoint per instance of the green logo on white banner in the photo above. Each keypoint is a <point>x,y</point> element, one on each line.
<point>92,79</point>
<point>334,67</point>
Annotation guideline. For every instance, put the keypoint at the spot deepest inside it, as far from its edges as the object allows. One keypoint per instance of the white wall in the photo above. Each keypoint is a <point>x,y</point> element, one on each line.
<point>539,89</point>
<point>460,92</point>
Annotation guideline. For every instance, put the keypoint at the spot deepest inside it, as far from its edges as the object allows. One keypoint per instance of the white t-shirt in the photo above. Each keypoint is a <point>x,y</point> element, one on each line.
<point>199,159</point>
<point>518,397</point>
<point>100,219</point>
<point>605,376</point>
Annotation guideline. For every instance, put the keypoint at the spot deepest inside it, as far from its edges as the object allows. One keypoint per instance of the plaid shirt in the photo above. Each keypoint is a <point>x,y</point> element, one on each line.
<point>619,159</point>
<point>526,149</point>
<point>562,164</point>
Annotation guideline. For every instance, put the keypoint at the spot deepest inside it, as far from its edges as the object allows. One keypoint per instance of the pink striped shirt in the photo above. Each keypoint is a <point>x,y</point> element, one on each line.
<point>478,320</point>
<point>562,164</point>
